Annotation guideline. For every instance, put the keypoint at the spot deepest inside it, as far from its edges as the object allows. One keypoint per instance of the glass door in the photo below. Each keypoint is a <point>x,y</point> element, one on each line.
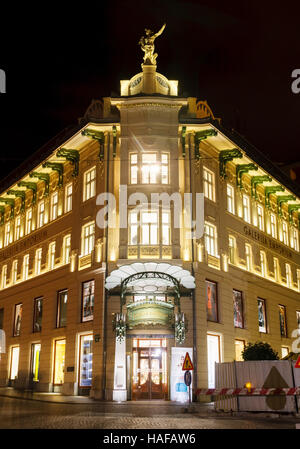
<point>59,362</point>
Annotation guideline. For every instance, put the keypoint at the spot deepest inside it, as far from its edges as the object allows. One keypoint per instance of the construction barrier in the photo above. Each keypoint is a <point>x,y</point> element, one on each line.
<point>248,392</point>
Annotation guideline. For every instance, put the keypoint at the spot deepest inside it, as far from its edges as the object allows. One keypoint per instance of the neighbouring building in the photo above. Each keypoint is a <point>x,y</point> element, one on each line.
<point>111,312</point>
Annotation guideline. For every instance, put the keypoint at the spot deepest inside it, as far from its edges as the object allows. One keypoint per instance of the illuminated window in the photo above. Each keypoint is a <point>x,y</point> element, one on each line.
<point>18,227</point>
<point>28,226</point>
<point>288,275</point>
<point>285,233</point>
<point>165,168</point>
<point>67,248</point>
<point>230,199</point>
<point>62,299</point>
<point>149,228</point>
<point>262,316</point>
<point>7,234</point>
<point>232,245</point>
<point>54,206</point>
<point>263,263</point>
<point>260,218</point>
<point>209,184</point>
<point>14,362</point>
<point>246,208</point>
<point>41,214</point>
<point>150,168</point>
<point>59,362</point>
<point>239,348</point>
<point>4,276</point>
<point>51,255</point>
<point>88,300</point>
<point>25,267</point>
<point>17,320</point>
<point>35,361</point>
<point>284,351</point>
<point>298,279</point>
<point>248,254</point>
<point>86,361</point>
<point>295,239</point>
<point>37,314</point>
<point>298,318</point>
<point>210,239</point>
<point>276,269</point>
<point>89,189</point>
<point>133,228</point>
<point>273,223</point>
<point>14,271</point>
<point>38,261</point>
<point>166,230</point>
<point>88,238</point>
<point>282,321</point>
<point>133,168</point>
<point>68,197</point>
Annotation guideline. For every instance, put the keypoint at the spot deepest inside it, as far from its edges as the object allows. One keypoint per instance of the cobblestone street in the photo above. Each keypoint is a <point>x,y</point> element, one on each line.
<point>32,414</point>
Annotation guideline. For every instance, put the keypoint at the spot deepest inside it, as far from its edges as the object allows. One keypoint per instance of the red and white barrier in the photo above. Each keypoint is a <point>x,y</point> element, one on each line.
<point>251,392</point>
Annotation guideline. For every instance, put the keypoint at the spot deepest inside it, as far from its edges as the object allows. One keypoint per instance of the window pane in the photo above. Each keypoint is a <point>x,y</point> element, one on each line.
<point>35,361</point>
<point>59,362</point>
<point>262,324</point>
<point>18,319</point>
<point>62,308</point>
<point>15,352</point>
<point>86,361</point>
<point>88,289</point>
<point>211,301</point>
<point>38,313</point>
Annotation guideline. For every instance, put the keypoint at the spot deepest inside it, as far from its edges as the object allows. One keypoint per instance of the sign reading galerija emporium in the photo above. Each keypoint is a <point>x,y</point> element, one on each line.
<point>267,241</point>
<point>23,245</point>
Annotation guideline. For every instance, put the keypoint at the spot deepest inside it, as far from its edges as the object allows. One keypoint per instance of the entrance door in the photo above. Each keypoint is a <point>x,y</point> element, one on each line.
<point>149,371</point>
<point>213,356</point>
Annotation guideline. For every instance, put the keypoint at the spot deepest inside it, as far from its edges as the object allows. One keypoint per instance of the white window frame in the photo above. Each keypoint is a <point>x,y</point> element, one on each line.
<point>209,184</point>
<point>276,269</point>
<point>288,273</point>
<point>51,255</point>
<point>7,234</point>
<point>273,225</point>
<point>67,248</point>
<point>230,199</point>
<point>149,229</point>
<point>260,217</point>
<point>89,184</point>
<point>294,238</point>
<point>14,271</point>
<point>165,227</point>
<point>4,276</point>
<point>165,170</point>
<point>28,226</point>
<point>38,261</point>
<point>246,208</point>
<point>231,247</point>
<point>248,256</point>
<point>149,169</point>
<point>68,197</point>
<point>263,263</point>
<point>285,232</point>
<point>211,239</point>
<point>25,267</point>
<point>88,238</point>
<point>18,227</point>
<point>134,169</point>
<point>41,214</point>
<point>54,206</point>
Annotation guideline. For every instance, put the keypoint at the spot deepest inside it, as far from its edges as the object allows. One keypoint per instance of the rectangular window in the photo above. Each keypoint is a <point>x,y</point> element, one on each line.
<point>51,256</point>
<point>17,320</point>
<point>41,214</point>
<point>208,184</point>
<point>1,319</point>
<point>210,239</point>
<point>230,199</point>
<point>14,362</point>
<point>298,318</point>
<point>282,320</point>
<point>68,197</point>
<point>88,238</point>
<point>213,357</point>
<point>4,276</point>
<point>166,229</point>
<point>14,271</point>
<point>133,228</point>
<point>88,296</point>
<point>246,208</point>
<point>59,361</point>
<point>86,360</point>
<point>284,351</point>
<point>276,270</point>
<point>37,314</point>
<point>18,227</point>
<point>211,301</point>
<point>238,309</point>
<point>285,233</point>
<point>89,184</point>
<point>262,320</point>
<point>150,168</point>
<point>54,206</point>
<point>35,361</point>
<point>288,275</point>
<point>273,224</point>
<point>28,226</point>
<point>67,248</point>
<point>149,228</point>
<point>231,249</point>
<point>298,280</point>
<point>133,168</point>
<point>7,234</point>
<point>295,239</point>
<point>62,299</point>
<point>248,254</point>
<point>25,267</point>
<point>38,261</point>
<point>260,218</point>
<point>263,263</point>
<point>165,168</point>
<point>239,348</point>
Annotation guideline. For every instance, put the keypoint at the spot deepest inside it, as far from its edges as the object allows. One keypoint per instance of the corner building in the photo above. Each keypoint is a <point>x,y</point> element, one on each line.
<point>110,312</point>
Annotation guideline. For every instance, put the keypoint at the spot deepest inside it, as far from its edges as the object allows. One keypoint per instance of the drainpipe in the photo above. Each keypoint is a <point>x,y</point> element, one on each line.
<point>193,291</point>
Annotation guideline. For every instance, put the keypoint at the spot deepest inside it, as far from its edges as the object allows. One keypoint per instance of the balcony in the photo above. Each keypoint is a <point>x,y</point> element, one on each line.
<point>149,252</point>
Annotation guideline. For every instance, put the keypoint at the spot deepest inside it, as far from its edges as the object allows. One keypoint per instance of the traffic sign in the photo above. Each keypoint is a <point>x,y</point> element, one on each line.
<point>187,364</point>
<point>187,378</point>
<point>298,362</point>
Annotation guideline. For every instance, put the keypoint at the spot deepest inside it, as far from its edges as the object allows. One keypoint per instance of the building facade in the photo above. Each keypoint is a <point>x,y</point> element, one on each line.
<point>110,311</point>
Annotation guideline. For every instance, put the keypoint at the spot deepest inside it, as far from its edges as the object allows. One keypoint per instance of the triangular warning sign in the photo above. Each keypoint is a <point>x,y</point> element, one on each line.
<point>298,362</point>
<point>187,364</point>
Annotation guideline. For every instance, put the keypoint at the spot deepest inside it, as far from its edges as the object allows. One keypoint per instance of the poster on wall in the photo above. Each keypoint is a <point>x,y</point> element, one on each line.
<point>211,301</point>
<point>282,321</point>
<point>298,319</point>
<point>18,319</point>
<point>238,309</point>
<point>178,389</point>
<point>88,289</point>
<point>262,324</point>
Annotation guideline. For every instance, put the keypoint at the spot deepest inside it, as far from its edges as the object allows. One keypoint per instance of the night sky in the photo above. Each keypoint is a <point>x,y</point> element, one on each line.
<point>237,55</point>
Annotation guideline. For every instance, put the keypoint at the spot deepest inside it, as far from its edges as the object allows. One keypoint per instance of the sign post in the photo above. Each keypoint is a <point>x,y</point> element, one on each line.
<point>188,367</point>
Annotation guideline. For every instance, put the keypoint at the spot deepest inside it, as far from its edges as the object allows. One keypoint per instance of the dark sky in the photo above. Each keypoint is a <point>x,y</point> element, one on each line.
<point>237,55</point>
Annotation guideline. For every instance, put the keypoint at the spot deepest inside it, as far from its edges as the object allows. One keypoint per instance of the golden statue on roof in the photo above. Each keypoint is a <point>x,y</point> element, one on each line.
<point>147,45</point>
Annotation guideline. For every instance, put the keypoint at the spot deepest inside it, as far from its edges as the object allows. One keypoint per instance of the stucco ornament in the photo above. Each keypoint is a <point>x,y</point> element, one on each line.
<point>147,45</point>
